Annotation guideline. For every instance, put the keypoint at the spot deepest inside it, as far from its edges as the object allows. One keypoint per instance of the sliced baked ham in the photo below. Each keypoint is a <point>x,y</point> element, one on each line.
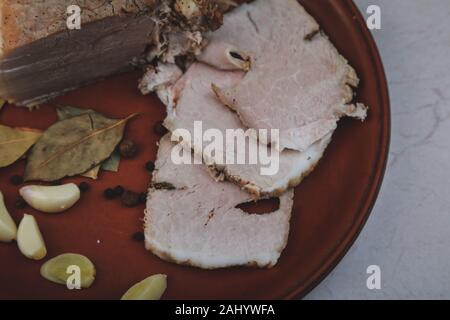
<point>298,82</point>
<point>192,99</point>
<point>191,219</point>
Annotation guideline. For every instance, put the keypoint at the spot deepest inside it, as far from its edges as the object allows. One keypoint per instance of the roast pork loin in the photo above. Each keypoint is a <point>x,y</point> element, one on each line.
<point>41,58</point>
<point>297,83</point>
<point>191,219</point>
<point>191,99</point>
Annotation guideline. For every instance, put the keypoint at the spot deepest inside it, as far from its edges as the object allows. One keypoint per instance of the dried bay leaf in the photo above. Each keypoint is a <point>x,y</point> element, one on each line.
<point>14,142</point>
<point>110,164</point>
<point>74,146</point>
<point>92,174</point>
<point>66,112</point>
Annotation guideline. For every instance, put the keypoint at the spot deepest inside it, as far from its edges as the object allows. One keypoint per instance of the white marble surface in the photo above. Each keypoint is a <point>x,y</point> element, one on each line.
<point>408,233</point>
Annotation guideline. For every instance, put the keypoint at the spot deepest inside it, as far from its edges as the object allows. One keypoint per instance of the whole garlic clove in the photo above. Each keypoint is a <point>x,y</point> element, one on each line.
<point>56,269</point>
<point>8,228</point>
<point>29,239</point>
<point>151,288</point>
<point>52,199</point>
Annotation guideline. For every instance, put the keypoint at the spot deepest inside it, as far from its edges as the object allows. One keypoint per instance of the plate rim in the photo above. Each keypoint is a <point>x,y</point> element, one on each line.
<point>301,289</point>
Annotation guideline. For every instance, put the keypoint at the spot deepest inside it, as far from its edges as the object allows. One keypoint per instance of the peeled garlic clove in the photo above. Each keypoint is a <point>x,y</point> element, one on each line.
<point>29,239</point>
<point>51,199</point>
<point>151,288</point>
<point>59,269</point>
<point>8,228</point>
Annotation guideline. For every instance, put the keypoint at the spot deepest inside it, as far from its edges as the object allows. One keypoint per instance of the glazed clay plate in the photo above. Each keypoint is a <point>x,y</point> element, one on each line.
<point>331,205</point>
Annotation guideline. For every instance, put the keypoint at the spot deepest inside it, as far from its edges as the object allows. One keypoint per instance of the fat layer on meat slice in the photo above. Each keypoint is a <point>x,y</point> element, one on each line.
<point>191,219</point>
<point>192,99</point>
<point>298,82</point>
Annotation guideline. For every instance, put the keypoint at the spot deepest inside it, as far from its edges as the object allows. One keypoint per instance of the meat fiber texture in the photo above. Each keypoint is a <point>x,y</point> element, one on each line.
<point>191,219</point>
<point>191,99</point>
<point>297,83</point>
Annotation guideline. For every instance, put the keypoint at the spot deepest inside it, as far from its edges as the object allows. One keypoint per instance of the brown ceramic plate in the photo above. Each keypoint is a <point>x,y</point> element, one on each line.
<point>331,205</point>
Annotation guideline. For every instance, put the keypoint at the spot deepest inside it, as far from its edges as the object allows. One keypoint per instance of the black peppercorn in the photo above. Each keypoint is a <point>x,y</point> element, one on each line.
<point>20,203</point>
<point>138,236</point>
<point>143,197</point>
<point>109,194</point>
<point>150,166</point>
<point>84,186</point>
<point>118,191</point>
<point>130,199</point>
<point>159,128</point>
<point>16,180</point>
<point>128,149</point>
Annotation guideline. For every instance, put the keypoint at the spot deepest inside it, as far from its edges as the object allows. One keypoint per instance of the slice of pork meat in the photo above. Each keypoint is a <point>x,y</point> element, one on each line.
<point>225,57</point>
<point>159,77</point>
<point>191,219</point>
<point>192,99</point>
<point>41,58</point>
<point>298,82</point>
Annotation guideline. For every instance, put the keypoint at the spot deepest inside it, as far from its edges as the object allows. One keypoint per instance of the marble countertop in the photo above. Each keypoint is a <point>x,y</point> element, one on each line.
<point>408,233</point>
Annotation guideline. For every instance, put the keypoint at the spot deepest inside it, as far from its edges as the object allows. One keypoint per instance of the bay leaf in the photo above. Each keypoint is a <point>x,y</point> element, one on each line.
<point>14,142</point>
<point>110,164</point>
<point>73,146</point>
<point>92,174</point>
<point>66,112</point>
